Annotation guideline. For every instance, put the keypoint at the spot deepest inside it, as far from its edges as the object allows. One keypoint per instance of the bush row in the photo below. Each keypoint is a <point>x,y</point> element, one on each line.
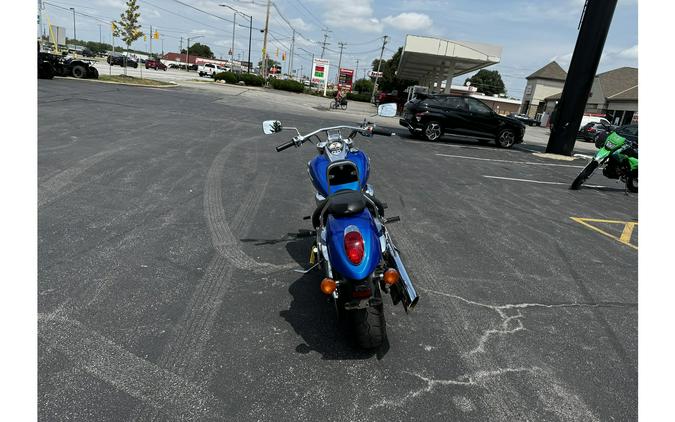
<point>358,97</point>
<point>287,85</point>
<point>233,78</point>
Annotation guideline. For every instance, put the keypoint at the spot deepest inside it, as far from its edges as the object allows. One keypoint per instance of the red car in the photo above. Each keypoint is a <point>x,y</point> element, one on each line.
<point>392,97</point>
<point>154,64</point>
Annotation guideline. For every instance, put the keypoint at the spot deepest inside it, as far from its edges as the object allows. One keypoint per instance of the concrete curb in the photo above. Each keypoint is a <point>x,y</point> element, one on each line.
<point>554,156</point>
<point>124,83</point>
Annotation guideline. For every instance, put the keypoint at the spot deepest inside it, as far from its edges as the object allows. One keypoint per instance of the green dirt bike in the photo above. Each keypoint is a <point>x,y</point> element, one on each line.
<point>620,158</point>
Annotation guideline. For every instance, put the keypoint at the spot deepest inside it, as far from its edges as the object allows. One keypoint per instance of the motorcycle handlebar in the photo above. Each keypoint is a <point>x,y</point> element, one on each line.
<point>285,146</point>
<point>377,131</point>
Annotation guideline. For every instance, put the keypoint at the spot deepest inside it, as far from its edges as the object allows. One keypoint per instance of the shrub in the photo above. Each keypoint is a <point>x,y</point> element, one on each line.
<point>287,85</point>
<point>229,77</point>
<point>251,79</point>
<point>358,97</point>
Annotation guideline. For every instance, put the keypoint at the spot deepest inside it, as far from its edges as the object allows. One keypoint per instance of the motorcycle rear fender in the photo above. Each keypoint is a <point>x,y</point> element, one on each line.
<point>335,227</point>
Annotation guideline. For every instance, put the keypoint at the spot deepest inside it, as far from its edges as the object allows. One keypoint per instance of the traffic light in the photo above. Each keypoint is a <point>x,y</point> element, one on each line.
<point>156,35</point>
<point>283,56</point>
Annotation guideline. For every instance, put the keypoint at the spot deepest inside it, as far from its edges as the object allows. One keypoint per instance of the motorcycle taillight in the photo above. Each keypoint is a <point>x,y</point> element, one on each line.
<point>354,246</point>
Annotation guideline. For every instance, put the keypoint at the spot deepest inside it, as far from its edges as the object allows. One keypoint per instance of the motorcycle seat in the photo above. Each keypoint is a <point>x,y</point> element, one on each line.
<point>345,203</point>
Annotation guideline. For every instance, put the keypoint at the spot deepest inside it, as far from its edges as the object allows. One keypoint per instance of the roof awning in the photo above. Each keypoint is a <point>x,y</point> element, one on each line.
<point>425,56</point>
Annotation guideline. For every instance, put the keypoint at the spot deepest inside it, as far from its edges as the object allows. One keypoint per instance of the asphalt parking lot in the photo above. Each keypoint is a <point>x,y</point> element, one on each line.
<point>167,290</point>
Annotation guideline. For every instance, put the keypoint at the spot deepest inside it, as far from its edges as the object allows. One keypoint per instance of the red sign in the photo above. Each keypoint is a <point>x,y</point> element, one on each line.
<point>345,79</point>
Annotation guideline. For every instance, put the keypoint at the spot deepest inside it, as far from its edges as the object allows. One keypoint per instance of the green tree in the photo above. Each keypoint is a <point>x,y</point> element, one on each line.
<point>389,82</point>
<point>363,86</point>
<point>270,63</point>
<point>128,27</point>
<point>488,82</point>
<point>200,50</point>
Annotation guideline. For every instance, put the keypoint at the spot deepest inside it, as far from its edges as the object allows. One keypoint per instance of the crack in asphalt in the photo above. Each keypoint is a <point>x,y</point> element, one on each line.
<point>506,326</point>
<point>466,380</point>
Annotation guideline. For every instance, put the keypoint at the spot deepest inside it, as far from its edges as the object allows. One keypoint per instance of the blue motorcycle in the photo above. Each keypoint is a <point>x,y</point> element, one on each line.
<point>353,248</point>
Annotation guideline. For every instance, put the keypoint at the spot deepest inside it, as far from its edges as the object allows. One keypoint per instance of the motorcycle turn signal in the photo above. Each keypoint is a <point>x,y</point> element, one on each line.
<point>390,276</point>
<point>328,286</point>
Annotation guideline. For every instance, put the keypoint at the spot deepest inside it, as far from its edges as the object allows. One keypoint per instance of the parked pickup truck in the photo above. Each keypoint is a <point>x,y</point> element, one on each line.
<point>210,69</point>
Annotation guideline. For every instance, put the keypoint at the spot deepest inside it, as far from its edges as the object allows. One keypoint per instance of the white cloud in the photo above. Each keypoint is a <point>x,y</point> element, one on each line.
<point>354,14</point>
<point>409,21</point>
<point>205,32</point>
<point>629,53</point>
<point>300,25</point>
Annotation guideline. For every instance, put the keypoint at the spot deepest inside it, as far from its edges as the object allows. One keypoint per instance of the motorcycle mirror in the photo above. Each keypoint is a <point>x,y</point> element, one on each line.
<point>271,126</point>
<point>387,110</point>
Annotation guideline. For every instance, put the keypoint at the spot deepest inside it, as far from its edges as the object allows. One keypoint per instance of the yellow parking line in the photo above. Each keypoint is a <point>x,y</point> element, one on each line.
<point>627,232</point>
<point>625,235</point>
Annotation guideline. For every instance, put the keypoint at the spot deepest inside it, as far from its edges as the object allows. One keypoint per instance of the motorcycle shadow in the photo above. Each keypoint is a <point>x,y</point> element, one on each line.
<point>312,314</point>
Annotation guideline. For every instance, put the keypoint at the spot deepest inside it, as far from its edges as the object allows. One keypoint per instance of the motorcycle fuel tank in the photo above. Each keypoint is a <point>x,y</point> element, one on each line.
<point>329,176</point>
<point>372,256</point>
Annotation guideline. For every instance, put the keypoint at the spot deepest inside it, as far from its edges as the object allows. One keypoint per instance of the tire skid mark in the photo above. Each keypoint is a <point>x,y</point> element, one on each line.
<point>183,354</point>
<point>141,379</point>
<point>222,238</point>
<point>59,184</point>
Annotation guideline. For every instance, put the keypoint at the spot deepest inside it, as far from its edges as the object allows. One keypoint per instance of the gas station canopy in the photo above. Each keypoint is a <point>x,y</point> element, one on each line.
<point>432,60</point>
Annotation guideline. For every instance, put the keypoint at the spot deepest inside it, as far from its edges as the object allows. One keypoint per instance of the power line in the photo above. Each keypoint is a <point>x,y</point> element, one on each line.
<point>321,24</point>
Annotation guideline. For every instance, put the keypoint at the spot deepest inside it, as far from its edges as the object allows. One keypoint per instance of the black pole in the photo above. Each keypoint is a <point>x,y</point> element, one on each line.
<point>250,34</point>
<point>594,27</point>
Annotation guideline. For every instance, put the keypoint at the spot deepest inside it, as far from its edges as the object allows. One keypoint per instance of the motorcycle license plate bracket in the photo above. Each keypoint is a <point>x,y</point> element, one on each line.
<point>362,303</point>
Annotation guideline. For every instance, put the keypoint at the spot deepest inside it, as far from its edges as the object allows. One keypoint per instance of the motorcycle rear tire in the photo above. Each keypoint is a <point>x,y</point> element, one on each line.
<point>584,175</point>
<point>368,325</point>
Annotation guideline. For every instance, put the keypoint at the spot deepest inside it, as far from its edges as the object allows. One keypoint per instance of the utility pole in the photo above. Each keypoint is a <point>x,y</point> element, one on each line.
<point>42,27</point>
<point>290,62</point>
<point>267,26</point>
<point>151,40</point>
<point>324,43</point>
<point>593,28</point>
<point>187,56</point>
<point>234,22</point>
<point>342,45</point>
<point>74,28</point>
<point>250,34</point>
<point>379,63</point>
<point>356,73</point>
<point>100,37</point>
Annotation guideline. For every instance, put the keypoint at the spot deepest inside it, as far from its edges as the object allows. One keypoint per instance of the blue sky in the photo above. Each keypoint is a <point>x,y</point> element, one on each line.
<point>531,32</point>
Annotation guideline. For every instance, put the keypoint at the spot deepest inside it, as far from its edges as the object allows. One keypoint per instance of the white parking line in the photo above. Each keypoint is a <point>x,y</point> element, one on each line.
<point>525,180</point>
<point>509,161</point>
<point>541,182</point>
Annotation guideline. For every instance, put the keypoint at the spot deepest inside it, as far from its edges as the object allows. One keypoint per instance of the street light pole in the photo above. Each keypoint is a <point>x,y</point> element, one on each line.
<point>74,28</point>
<point>250,32</point>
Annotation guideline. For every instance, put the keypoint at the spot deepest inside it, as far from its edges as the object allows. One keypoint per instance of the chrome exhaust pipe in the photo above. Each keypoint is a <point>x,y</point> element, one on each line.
<point>409,295</point>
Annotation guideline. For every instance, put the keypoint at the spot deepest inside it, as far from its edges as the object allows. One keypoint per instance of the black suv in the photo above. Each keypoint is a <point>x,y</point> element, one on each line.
<point>459,115</point>
<point>119,61</point>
